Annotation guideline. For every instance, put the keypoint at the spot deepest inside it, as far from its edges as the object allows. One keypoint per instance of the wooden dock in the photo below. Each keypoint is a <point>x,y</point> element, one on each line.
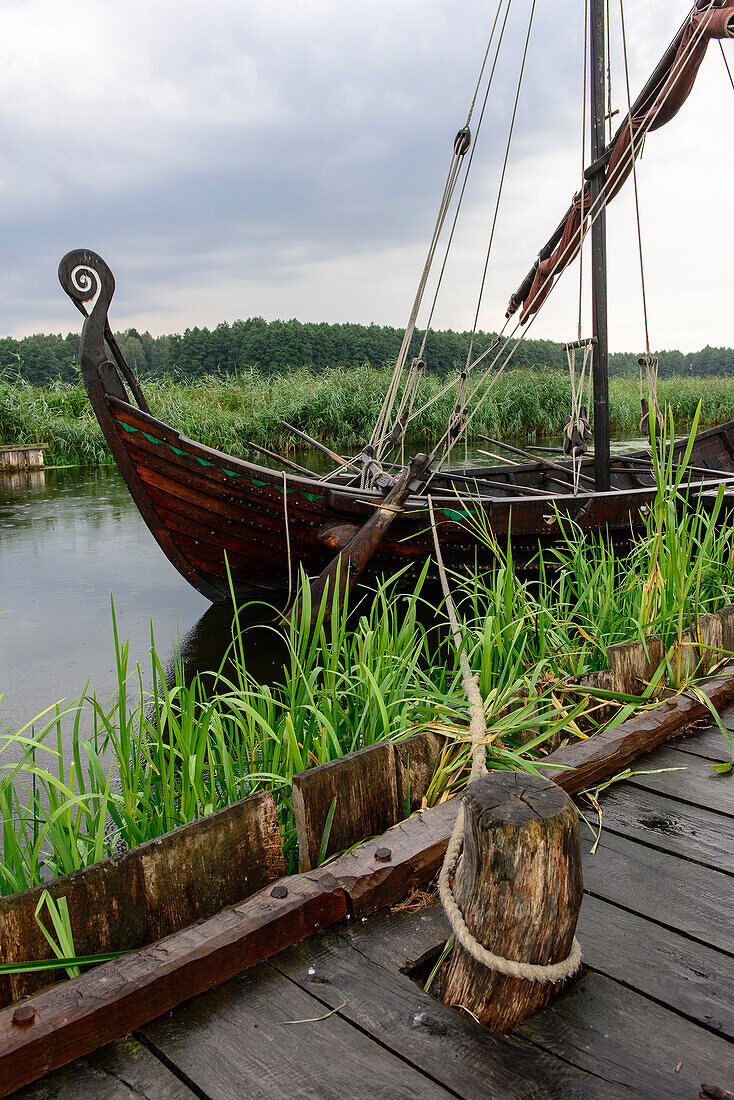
<point>340,1015</point>
<point>22,456</point>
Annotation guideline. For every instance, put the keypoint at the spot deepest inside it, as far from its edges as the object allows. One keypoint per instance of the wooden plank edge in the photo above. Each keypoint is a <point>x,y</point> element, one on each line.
<point>112,1000</point>
<point>585,763</point>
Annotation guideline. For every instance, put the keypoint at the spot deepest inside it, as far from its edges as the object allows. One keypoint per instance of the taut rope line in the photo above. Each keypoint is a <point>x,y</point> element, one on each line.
<point>532,972</point>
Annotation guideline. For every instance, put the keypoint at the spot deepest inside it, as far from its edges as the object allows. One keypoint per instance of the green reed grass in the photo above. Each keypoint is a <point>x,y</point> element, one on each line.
<point>337,405</point>
<point>147,761</point>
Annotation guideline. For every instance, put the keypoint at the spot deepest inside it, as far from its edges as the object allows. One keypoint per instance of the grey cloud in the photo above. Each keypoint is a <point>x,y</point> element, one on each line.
<point>244,144</point>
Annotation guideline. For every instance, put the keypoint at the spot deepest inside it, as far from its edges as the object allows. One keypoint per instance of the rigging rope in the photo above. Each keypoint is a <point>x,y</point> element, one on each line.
<point>705,21</point>
<point>461,423</point>
<point>583,145</point>
<point>648,363</point>
<point>381,434</point>
<point>573,244</point>
<point>610,112</point>
<point>633,154</point>
<point>585,225</point>
<point>466,175</point>
<point>502,181</point>
<point>462,143</point>
<point>577,430</point>
<point>726,63</point>
<point>460,148</point>
<point>533,972</point>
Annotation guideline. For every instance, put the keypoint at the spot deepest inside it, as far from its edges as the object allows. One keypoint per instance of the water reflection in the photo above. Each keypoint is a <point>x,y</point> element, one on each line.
<point>21,481</point>
<point>69,540</point>
<point>208,644</point>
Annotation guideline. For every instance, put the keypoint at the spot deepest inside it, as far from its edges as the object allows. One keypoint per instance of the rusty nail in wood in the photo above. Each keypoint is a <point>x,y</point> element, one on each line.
<point>24,1015</point>
<point>384,855</point>
<point>279,892</point>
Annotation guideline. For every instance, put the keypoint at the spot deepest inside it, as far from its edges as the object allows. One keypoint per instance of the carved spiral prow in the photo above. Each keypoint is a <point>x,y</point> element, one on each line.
<point>90,284</point>
<point>87,280</point>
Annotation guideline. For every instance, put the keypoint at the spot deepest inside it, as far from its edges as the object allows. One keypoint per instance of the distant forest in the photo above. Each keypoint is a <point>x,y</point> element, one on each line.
<point>280,346</point>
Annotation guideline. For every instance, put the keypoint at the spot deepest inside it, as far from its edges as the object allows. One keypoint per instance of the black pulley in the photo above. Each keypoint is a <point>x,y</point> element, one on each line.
<point>462,141</point>
<point>577,433</point>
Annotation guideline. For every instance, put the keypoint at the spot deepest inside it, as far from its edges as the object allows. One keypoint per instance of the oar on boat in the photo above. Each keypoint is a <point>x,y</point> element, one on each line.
<point>349,563</point>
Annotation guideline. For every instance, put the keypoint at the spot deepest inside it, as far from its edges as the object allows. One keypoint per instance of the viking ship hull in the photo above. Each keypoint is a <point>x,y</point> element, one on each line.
<point>221,520</point>
<point>209,511</point>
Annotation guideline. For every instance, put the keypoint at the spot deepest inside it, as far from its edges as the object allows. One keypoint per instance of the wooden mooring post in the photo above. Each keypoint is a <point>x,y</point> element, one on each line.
<point>519,887</point>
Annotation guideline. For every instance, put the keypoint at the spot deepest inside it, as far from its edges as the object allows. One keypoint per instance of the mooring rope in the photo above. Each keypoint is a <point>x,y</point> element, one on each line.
<point>532,972</point>
<point>287,539</point>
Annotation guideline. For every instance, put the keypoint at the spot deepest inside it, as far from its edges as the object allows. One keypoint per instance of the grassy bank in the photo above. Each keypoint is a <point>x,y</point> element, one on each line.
<point>336,405</point>
<point>160,759</point>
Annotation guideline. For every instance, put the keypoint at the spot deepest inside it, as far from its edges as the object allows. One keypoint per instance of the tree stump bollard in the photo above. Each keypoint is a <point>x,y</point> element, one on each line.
<point>518,886</point>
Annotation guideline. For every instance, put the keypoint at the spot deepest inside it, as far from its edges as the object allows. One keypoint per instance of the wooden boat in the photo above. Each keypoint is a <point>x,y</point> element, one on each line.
<point>209,510</point>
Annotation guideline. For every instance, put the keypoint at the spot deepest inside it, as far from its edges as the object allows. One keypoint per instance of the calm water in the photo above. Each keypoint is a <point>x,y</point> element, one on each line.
<point>68,540</point>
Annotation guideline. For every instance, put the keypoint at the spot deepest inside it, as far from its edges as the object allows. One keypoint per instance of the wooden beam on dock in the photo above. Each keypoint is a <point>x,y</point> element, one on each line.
<point>114,999</point>
<point>587,763</point>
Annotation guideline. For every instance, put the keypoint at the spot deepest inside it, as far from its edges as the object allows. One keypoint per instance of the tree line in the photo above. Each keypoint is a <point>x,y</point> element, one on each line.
<point>281,346</point>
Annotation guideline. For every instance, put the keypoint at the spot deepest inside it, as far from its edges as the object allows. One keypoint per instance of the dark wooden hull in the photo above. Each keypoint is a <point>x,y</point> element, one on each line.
<point>210,511</point>
<point>204,506</point>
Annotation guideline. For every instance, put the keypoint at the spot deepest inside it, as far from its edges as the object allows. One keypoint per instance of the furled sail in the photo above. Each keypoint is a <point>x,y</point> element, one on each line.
<point>660,100</point>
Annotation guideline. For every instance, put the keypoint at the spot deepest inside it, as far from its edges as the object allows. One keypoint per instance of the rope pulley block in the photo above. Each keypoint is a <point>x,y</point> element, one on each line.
<point>577,429</point>
<point>457,420</point>
<point>462,142</point>
<point>577,433</point>
<point>375,476</point>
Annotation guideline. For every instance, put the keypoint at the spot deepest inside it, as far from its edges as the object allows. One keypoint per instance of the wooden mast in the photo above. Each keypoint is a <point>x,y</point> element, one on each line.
<point>600,355</point>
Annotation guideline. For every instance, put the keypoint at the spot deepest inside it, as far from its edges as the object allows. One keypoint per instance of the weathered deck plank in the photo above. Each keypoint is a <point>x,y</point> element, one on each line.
<point>697,785</point>
<point>698,901</point>
<point>364,966</point>
<point>672,969</point>
<point>245,1040</point>
<point>707,742</point>
<point>664,823</point>
<point>613,1032</point>
<point>121,1071</point>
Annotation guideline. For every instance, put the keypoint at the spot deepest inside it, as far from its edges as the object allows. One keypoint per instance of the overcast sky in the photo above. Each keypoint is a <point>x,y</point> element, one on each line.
<point>285,159</point>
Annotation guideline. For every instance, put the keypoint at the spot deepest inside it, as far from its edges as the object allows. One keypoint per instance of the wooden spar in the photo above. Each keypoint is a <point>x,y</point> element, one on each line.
<point>285,461</point>
<point>479,480</point>
<point>320,446</point>
<point>535,458</point>
<point>346,567</point>
<point>600,349</point>
<point>646,465</point>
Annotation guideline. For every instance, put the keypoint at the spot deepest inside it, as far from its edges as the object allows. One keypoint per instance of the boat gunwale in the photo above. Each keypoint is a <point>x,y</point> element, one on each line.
<point>418,501</point>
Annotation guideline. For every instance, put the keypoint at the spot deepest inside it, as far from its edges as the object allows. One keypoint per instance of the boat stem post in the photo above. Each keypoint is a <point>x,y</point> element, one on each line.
<point>518,887</point>
<point>600,352</point>
<point>343,571</point>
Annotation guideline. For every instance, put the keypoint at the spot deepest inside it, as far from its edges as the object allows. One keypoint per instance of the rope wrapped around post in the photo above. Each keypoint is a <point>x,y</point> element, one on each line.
<point>543,973</point>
